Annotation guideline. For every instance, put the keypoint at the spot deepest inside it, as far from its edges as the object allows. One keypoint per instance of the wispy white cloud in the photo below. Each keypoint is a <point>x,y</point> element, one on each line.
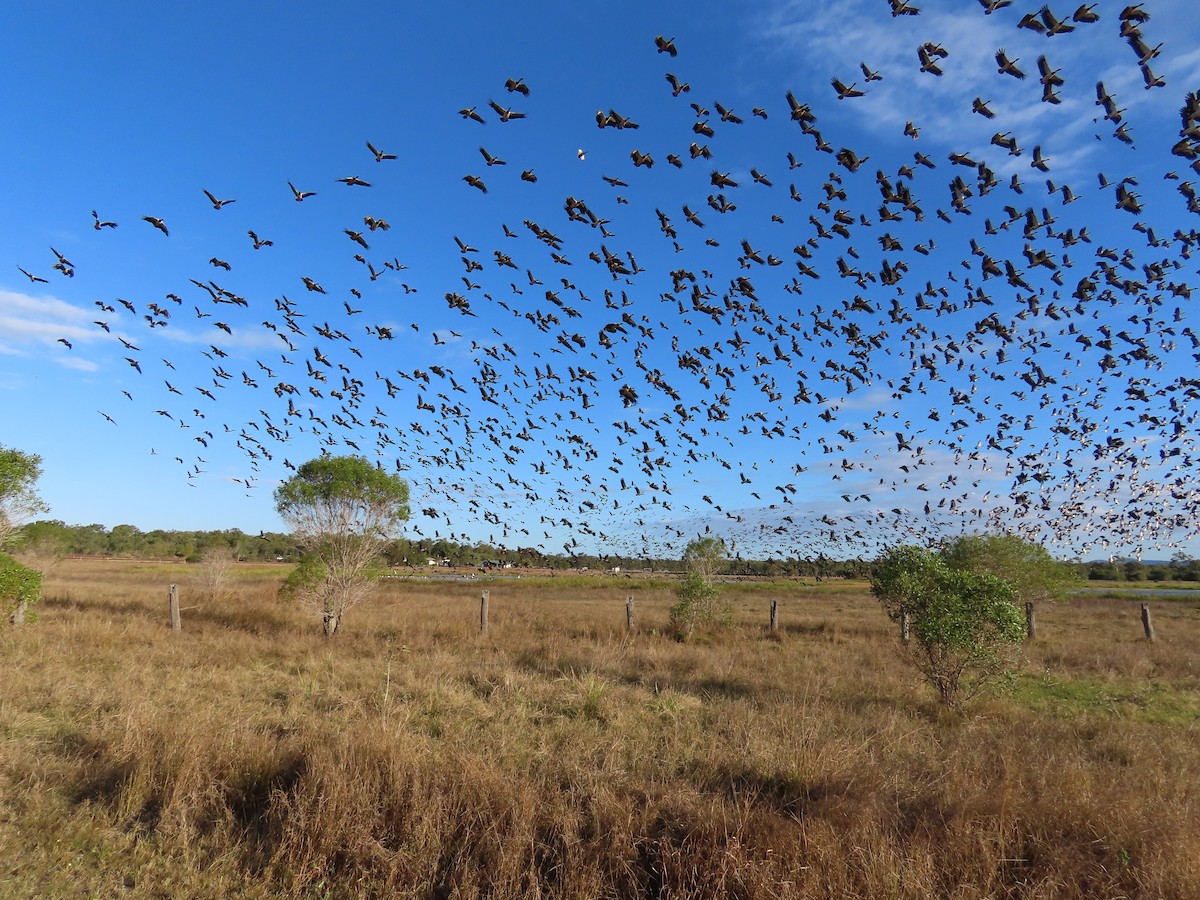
<point>829,40</point>
<point>31,325</point>
<point>79,363</point>
<point>241,338</point>
<point>26,306</point>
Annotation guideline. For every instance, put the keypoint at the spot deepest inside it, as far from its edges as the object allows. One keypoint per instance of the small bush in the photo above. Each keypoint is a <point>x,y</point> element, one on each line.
<point>20,588</point>
<point>214,571</point>
<point>966,627</point>
<point>697,604</point>
<point>304,580</point>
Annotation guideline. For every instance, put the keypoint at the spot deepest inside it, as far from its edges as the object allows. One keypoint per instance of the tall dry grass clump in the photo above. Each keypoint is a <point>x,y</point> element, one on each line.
<point>561,757</point>
<point>214,572</point>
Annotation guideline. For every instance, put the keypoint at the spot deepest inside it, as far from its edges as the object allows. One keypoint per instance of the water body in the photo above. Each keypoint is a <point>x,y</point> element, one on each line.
<point>1143,592</point>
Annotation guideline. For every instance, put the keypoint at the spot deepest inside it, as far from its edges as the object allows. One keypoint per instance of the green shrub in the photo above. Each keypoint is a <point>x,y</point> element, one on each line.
<point>697,604</point>
<point>965,626</point>
<point>306,578</point>
<point>20,588</point>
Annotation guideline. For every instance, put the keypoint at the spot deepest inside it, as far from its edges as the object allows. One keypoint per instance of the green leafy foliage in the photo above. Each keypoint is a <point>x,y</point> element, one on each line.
<point>19,502</point>
<point>965,626</point>
<point>20,588</point>
<point>697,603</point>
<point>698,598</point>
<point>1028,567</point>
<point>308,575</point>
<point>343,495</point>
<point>707,556</point>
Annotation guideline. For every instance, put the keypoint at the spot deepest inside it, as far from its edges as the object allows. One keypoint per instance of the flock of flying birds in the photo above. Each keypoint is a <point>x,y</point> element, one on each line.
<point>820,392</point>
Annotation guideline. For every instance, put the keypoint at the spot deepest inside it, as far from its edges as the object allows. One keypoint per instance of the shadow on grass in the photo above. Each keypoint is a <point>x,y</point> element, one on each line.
<point>702,688</point>
<point>788,795</point>
<point>250,621</point>
<point>113,608</point>
<point>252,799</point>
<point>108,783</point>
<point>138,791</point>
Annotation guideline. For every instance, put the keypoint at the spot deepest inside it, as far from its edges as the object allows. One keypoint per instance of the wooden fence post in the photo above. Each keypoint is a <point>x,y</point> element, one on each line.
<point>629,614</point>
<point>1146,623</point>
<point>173,608</point>
<point>483,612</point>
<point>904,625</point>
<point>1030,622</point>
<point>774,616</point>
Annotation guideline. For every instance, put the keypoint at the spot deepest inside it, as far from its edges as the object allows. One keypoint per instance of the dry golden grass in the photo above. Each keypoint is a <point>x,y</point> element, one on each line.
<point>560,757</point>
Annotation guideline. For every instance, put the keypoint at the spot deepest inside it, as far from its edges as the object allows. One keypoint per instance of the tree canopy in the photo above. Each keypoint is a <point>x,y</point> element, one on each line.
<point>706,556</point>
<point>1027,566</point>
<point>19,501</point>
<point>342,495</point>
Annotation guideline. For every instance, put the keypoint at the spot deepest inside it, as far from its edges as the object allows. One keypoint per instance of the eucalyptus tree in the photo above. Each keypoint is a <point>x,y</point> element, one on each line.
<point>19,500</point>
<point>342,511</point>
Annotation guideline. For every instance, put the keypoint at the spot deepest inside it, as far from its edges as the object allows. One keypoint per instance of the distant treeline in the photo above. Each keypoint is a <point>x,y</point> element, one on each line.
<point>53,536</point>
<point>1179,568</point>
<point>129,541</point>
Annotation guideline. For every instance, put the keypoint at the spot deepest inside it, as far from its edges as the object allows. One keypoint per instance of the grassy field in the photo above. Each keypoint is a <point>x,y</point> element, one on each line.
<point>558,756</point>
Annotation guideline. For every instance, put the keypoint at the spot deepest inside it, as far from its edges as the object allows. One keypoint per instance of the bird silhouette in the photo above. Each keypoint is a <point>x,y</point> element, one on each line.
<point>299,194</point>
<point>157,223</point>
<point>379,155</point>
<point>216,204</point>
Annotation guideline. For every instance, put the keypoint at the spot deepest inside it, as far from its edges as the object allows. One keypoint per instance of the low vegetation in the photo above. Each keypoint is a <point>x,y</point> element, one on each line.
<point>698,595</point>
<point>560,757</point>
<point>960,629</point>
<point>20,589</point>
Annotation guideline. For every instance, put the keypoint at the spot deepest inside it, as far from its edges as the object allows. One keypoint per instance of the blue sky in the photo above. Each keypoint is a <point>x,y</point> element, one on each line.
<point>792,415</point>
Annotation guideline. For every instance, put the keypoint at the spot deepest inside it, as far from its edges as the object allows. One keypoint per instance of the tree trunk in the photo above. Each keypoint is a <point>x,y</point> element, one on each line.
<point>18,615</point>
<point>331,623</point>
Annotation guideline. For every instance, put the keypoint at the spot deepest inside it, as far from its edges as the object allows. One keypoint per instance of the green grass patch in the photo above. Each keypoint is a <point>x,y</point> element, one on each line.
<point>791,586</point>
<point>1090,587</point>
<point>1137,700</point>
<point>158,567</point>
<point>246,571</point>
<point>1143,596</point>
